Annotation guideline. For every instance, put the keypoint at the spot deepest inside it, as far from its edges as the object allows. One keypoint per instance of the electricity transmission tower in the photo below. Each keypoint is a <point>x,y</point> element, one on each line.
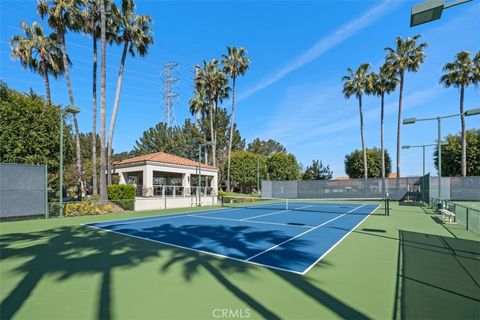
<point>169,72</point>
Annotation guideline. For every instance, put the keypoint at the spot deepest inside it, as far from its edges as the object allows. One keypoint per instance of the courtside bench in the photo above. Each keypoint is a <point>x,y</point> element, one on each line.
<point>448,216</point>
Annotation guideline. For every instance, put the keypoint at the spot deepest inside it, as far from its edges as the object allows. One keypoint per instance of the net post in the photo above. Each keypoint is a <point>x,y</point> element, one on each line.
<point>221,201</point>
<point>286,204</point>
<point>387,205</point>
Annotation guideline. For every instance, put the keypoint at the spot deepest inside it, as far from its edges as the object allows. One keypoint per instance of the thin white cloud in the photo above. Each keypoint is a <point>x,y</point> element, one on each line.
<point>323,45</point>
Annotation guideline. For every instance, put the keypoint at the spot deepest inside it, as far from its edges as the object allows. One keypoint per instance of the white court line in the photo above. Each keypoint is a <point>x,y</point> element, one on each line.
<point>260,222</point>
<point>154,218</point>
<point>269,214</point>
<point>338,242</point>
<point>196,250</point>
<point>303,233</point>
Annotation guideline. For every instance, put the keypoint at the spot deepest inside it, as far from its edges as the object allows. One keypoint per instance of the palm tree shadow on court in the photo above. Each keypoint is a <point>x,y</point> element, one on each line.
<point>220,269</point>
<point>67,252</point>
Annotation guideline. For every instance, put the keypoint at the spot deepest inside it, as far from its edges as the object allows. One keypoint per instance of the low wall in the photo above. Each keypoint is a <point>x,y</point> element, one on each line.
<point>144,204</point>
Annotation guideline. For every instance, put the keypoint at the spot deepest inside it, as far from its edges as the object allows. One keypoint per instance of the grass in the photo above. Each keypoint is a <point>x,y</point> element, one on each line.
<point>407,265</point>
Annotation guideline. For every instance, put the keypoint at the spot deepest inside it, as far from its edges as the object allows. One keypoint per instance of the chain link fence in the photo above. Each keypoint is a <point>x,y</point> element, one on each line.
<point>397,189</point>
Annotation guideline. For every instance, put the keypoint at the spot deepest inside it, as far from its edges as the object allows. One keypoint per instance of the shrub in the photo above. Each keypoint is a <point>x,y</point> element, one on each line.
<point>86,208</point>
<point>122,195</point>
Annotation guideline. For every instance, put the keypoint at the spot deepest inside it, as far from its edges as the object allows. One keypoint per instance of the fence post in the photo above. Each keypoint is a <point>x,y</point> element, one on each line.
<point>46,193</point>
<point>466,218</point>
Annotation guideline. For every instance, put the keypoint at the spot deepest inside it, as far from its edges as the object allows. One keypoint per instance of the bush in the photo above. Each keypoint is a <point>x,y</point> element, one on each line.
<point>122,195</point>
<point>86,208</point>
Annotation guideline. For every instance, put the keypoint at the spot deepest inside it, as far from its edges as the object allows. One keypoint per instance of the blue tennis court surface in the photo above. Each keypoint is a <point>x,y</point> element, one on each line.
<point>292,239</point>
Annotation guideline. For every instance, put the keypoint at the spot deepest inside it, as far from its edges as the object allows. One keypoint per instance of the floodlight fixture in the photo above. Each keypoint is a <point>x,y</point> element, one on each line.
<point>430,10</point>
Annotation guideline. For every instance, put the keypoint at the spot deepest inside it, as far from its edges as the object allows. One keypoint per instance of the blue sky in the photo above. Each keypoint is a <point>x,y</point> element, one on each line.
<point>292,92</point>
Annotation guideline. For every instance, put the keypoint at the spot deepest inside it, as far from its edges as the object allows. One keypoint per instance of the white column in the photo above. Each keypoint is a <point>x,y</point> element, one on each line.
<point>186,178</point>
<point>122,178</point>
<point>214,184</point>
<point>147,181</point>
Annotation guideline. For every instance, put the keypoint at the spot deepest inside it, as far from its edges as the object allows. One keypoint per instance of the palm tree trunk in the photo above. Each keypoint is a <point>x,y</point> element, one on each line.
<point>365,166</point>
<point>47,81</point>
<point>212,134</point>
<point>382,148</point>
<point>94,115</point>
<point>464,138</point>
<point>231,134</point>
<point>47,88</point>
<point>399,123</point>
<point>75,121</point>
<point>114,114</point>
<point>103,182</point>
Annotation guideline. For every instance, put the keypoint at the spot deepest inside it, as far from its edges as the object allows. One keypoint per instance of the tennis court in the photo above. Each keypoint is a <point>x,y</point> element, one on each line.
<point>288,235</point>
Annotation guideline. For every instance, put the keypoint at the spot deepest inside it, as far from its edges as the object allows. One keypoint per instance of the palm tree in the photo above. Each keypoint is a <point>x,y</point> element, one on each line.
<point>407,56</point>
<point>461,73</point>
<point>38,52</point>
<point>235,63</point>
<point>380,84</point>
<point>214,85</point>
<point>91,14</point>
<point>134,31</point>
<point>64,15</point>
<point>355,83</point>
<point>103,94</point>
<point>198,107</point>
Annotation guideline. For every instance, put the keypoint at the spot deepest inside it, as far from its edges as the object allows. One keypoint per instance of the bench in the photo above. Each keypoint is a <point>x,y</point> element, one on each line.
<point>447,215</point>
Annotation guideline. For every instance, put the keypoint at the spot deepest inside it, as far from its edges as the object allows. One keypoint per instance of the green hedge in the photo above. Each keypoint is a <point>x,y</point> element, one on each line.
<point>122,195</point>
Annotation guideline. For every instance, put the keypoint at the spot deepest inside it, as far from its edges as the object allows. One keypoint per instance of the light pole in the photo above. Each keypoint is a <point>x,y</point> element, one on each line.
<point>423,146</point>
<point>73,110</point>
<point>199,188</point>
<point>467,113</point>
<point>430,10</point>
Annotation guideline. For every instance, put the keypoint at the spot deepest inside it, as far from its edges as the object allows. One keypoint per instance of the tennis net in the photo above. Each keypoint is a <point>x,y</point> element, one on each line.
<point>340,205</point>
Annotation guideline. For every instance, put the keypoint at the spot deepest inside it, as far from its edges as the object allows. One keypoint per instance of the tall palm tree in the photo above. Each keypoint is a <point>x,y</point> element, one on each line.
<point>91,15</point>
<point>198,107</point>
<point>355,83</point>
<point>103,94</point>
<point>407,56</point>
<point>38,52</point>
<point>62,16</point>
<point>380,84</point>
<point>461,73</point>
<point>235,64</point>
<point>134,31</point>
<point>214,84</point>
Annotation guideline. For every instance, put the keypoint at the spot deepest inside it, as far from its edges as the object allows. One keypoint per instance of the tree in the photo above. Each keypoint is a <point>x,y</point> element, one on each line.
<point>64,15</point>
<point>355,83</point>
<point>135,34</point>
<point>181,141</point>
<point>30,132</point>
<point>235,64</point>
<point>317,171</point>
<point>407,56</point>
<point>103,94</point>
<point>452,151</point>
<point>92,18</point>
<point>266,147</point>
<point>38,52</point>
<point>460,74</point>
<point>211,85</point>
<point>354,163</point>
<point>244,166</point>
<point>282,166</point>
<point>382,83</point>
